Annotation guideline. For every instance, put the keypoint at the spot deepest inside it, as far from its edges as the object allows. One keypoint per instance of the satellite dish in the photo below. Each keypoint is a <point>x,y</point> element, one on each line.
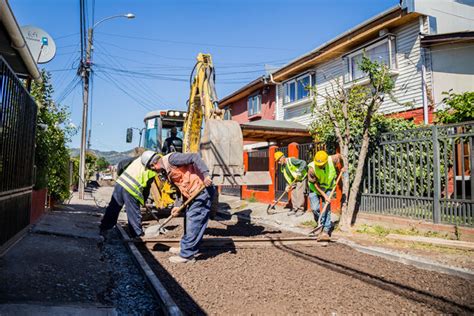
<point>40,43</point>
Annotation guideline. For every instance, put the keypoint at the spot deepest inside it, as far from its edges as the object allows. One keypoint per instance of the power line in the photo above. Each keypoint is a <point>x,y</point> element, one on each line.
<point>143,87</point>
<point>194,43</point>
<point>109,79</point>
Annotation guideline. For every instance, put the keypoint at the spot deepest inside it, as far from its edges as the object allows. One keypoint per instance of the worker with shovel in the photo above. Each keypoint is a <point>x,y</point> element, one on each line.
<point>132,189</point>
<point>294,171</point>
<point>190,175</point>
<point>322,175</point>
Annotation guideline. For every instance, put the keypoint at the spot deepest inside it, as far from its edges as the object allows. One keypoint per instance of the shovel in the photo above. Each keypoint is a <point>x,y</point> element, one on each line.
<point>272,206</point>
<point>160,229</point>
<point>326,204</point>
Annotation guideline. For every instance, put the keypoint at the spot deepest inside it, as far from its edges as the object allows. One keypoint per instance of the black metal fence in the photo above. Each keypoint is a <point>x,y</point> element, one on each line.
<point>258,161</point>
<point>306,151</point>
<point>424,173</point>
<point>232,190</point>
<point>280,182</point>
<point>17,142</point>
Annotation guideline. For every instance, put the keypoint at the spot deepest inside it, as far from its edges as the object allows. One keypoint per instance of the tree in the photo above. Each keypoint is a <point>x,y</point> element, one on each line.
<point>349,114</point>
<point>460,108</point>
<point>52,134</point>
<point>102,164</point>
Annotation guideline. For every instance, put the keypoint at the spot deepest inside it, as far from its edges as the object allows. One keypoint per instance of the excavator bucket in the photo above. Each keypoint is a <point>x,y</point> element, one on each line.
<point>222,151</point>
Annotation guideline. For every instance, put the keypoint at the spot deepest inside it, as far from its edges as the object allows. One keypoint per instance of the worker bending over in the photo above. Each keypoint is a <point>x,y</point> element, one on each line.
<point>189,173</point>
<point>294,171</point>
<point>132,189</point>
<point>322,174</point>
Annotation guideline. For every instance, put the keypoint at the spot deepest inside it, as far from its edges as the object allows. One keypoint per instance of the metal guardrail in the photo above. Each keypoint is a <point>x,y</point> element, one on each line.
<point>17,142</point>
<point>424,173</point>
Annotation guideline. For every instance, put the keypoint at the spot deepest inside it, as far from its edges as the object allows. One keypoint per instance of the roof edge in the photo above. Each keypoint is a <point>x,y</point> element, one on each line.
<point>18,41</point>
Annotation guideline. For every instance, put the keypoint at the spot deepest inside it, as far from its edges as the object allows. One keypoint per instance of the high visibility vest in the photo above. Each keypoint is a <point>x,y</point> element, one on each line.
<point>326,177</point>
<point>290,171</point>
<point>187,178</point>
<point>135,178</point>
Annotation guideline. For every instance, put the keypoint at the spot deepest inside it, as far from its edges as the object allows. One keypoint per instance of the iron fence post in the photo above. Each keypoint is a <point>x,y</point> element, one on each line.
<point>436,177</point>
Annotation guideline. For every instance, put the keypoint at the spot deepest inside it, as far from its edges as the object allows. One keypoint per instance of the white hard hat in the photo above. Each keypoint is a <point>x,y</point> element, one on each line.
<point>148,157</point>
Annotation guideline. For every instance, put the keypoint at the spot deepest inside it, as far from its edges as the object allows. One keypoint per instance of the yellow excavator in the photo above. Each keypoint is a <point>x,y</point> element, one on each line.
<point>204,130</point>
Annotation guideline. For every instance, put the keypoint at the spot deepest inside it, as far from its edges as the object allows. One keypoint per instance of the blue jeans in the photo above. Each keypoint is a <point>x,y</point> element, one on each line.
<point>315,207</point>
<point>197,216</point>
<point>121,197</point>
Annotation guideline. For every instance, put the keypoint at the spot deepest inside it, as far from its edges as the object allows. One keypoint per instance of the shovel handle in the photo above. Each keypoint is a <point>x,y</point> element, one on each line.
<point>326,204</point>
<point>186,203</point>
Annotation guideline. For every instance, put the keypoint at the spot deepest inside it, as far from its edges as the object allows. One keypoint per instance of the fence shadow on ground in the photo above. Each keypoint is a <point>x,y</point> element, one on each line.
<point>394,287</point>
<point>242,228</point>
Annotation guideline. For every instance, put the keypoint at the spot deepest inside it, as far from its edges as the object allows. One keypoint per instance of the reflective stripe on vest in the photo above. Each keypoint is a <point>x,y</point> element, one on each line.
<point>135,178</point>
<point>326,177</point>
<point>289,171</point>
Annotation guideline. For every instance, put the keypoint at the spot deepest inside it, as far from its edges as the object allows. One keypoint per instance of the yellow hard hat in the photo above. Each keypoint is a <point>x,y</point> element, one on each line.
<point>278,155</point>
<point>320,158</point>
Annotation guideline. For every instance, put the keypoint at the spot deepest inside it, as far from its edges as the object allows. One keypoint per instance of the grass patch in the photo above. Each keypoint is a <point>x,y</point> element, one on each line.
<point>380,231</point>
<point>310,223</point>
<point>251,199</point>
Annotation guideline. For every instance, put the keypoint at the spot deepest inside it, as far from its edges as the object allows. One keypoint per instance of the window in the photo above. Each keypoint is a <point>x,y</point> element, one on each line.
<point>381,51</point>
<point>296,89</point>
<point>254,104</point>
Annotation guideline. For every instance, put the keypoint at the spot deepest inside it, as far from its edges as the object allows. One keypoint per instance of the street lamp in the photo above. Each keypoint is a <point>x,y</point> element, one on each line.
<point>85,72</point>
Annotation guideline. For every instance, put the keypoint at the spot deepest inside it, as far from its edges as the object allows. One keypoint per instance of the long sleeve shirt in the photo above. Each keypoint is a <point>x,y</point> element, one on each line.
<point>179,159</point>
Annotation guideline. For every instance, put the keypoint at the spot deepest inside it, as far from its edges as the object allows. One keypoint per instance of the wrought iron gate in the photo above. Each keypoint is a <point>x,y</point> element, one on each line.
<point>424,173</point>
<point>17,142</point>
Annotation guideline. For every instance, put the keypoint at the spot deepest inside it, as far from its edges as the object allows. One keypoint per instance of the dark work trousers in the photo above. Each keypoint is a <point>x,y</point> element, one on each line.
<point>197,216</point>
<point>132,206</point>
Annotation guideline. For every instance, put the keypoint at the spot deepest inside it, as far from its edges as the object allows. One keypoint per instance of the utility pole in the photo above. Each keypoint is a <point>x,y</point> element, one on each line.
<point>85,73</point>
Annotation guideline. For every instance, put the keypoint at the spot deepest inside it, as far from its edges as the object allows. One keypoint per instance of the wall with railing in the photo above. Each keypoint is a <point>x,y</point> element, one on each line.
<point>17,142</point>
<point>423,173</point>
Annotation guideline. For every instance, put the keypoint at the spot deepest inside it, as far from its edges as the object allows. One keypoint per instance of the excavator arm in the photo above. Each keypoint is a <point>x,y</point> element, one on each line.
<point>202,103</point>
<point>221,142</point>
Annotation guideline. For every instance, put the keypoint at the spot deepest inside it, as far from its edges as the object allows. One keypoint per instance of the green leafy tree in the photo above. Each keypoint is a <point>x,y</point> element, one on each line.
<point>102,164</point>
<point>53,132</point>
<point>348,115</point>
<point>460,108</point>
<point>91,160</point>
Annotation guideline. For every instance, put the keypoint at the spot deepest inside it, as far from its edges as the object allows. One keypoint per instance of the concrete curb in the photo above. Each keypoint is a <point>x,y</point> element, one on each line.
<point>167,302</point>
<point>411,260</point>
<point>375,251</point>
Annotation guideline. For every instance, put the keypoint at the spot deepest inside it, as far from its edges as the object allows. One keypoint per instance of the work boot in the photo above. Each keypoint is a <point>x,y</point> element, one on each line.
<point>324,237</point>
<point>179,259</point>
<point>175,250</point>
<point>291,212</point>
<point>300,213</point>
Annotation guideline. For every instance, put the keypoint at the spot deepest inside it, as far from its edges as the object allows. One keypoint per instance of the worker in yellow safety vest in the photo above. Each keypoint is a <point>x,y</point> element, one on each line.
<point>322,174</point>
<point>294,171</point>
<point>131,189</point>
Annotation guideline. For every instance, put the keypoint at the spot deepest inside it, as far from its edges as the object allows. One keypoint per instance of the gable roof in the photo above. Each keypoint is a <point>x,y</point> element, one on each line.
<point>347,41</point>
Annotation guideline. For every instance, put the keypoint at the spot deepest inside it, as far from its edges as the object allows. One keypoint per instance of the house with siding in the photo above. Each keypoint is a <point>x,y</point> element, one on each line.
<point>394,38</point>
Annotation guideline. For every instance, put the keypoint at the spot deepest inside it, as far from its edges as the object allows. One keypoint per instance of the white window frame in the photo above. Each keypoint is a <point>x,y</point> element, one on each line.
<point>259,105</point>
<point>390,39</point>
<point>295,80</point>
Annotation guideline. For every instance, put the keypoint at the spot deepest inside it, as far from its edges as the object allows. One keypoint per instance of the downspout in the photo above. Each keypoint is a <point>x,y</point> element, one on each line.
<point>277,111</point>
<point>424,93</point>
<point>18,41</point>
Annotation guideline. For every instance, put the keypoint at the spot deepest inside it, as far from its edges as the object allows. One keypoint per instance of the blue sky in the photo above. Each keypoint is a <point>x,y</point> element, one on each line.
<point>144,64</point>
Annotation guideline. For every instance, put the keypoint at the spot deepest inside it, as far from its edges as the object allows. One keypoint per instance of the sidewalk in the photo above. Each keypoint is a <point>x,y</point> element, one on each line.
<point>62,267</point>
<point>421,254</point>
